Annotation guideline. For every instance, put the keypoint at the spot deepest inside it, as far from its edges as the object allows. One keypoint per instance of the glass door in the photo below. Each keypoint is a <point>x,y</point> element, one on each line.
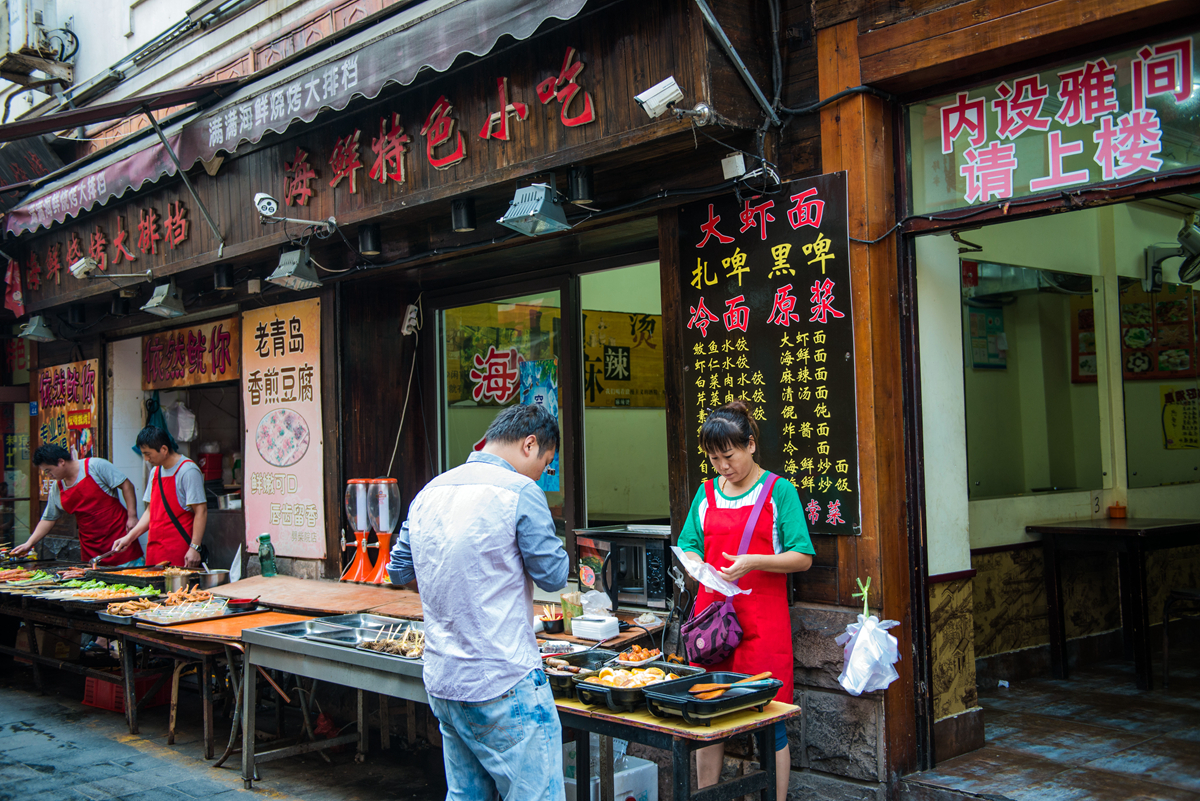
<point>496,353</point>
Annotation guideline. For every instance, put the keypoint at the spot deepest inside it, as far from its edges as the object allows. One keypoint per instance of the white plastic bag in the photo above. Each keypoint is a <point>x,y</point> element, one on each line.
<point>869,654</point>
<point>597,604</point>
<point>704,573</point>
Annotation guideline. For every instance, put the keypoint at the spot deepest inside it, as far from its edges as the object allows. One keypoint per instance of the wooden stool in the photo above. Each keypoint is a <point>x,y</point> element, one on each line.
<point>1185,595</point>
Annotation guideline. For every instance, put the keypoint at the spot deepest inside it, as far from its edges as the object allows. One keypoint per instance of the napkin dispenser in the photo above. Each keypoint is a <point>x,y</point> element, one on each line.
<point>594,627</point>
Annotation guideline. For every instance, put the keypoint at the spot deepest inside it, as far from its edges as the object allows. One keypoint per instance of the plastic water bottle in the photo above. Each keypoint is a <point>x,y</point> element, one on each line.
<point>266,555</point>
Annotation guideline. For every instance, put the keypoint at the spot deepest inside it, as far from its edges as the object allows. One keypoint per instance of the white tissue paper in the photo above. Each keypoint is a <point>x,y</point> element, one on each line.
<point>869,654</point>
<point>704,573</point>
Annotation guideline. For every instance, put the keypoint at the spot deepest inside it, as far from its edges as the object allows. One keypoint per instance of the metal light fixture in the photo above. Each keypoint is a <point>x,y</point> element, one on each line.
<point>120,307</point>
<point>368,239</point>
<point>462,215</point>
<point>295,271</point>
<point>535,210</point>
<point>1188,249</point>
<point>579,184</point>
<point>76,314</point>
<point>166,301</point>
<point>223,277</point>
<point>37,330</point>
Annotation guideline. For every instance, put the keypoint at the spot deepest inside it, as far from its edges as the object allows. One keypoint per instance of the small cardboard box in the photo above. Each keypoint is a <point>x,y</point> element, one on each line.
<point>60,644</point>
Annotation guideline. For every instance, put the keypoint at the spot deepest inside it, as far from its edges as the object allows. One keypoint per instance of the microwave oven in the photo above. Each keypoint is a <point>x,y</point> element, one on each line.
<point>628,563</point>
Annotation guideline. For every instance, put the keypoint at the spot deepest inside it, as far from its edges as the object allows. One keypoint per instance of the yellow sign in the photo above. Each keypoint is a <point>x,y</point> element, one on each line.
<point>1180,416</point>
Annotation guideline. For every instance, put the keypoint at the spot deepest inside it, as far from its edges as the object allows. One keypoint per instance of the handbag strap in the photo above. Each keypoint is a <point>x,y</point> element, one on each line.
<point>755,513</point>
<point>162,494</point>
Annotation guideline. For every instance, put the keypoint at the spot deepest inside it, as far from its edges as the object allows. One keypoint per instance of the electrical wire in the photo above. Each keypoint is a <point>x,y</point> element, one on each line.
<point>408,390</point>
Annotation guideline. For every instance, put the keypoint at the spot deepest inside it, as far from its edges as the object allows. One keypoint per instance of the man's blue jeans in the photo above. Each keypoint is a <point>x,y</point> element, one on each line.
<point>511,744</point>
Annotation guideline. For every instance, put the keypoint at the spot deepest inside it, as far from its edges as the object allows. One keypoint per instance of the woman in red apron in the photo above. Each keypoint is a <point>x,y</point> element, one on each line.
<point>100,519</point>
<point>714,529</point>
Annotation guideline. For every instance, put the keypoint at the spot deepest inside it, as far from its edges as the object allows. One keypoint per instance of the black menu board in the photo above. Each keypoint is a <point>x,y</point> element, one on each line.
<point>765,285</point>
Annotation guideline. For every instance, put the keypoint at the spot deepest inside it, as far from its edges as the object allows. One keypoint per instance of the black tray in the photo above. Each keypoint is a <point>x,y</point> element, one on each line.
<point>563,686</point>
<point>627,699</point>
<point>672,698</point>
<point>114,576</point>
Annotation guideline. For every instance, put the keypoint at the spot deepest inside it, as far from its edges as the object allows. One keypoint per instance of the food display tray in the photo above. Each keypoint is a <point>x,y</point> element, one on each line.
<point>120,620</point>
<point>115,576</point>
<point>563,686</point>
<point>363,620</point>
<point>186,620</point>
<point>628,699</point>
<point>303,628</point>
<point>672,698</point>
<point>350,638</point>
<point>362,646</point>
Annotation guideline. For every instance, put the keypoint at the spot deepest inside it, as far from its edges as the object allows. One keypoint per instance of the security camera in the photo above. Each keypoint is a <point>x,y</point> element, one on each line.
<point>266,205</point>
<point>658,98</point>
<point>84,267</point>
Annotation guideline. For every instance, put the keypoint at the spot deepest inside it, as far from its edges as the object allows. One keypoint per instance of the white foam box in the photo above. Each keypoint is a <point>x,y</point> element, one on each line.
<point>638,782</point>
<point>594,628</point>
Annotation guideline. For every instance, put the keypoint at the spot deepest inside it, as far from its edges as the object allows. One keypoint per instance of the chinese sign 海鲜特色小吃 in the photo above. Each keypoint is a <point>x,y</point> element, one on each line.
<point>199,354</point>
<point>284,488</point>
<point>69,409</point>
<point>766,303</point>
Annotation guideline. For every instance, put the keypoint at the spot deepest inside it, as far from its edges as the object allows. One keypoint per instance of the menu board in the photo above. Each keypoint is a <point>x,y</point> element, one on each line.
<point>989,343</point>
<point>199,354</point>
<point>69,410</point>
<point>1159,337</point>
<point>766,297</point>
<point>284,463</point>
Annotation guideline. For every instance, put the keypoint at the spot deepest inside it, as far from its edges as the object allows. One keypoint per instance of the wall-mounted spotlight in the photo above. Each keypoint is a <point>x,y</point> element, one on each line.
<point>37,330</point>
<point>119,307</point>
<point>76,315</point>
<point>295,271</point>
<point>223,277</point>
<point>1188,249</point>
<point>535,210</point>
<point>462,215</point>
<point>166,301</point>
<point>368,239</point>
<point>579,184</point>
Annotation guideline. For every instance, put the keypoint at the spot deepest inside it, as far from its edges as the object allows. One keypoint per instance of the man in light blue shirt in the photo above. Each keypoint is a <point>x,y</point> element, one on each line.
<point>477,539</point>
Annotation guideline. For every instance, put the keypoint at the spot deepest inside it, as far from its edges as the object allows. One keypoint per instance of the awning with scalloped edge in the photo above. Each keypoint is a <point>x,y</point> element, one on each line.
<point>429,35</point>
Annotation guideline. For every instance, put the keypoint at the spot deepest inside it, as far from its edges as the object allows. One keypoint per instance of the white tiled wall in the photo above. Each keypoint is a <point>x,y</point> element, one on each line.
<point>127,410</point>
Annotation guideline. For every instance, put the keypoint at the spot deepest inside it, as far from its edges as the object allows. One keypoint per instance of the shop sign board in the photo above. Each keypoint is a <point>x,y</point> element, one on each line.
<point>1181,417</point>
<point>187,357</point>
<point>1126,114</point>
<point>284,490</point>
<point>766,296</point>
<point>69,409</point>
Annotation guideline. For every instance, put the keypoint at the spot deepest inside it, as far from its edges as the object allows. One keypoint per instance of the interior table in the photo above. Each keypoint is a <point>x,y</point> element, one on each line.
<point>680,739</point>
<point>1130,539</point>
<point>313,596</point>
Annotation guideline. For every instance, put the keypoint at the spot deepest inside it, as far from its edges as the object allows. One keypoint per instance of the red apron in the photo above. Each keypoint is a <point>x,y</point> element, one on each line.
<point>99,517</point>
<point>763,614</point>
<point>165,543</point>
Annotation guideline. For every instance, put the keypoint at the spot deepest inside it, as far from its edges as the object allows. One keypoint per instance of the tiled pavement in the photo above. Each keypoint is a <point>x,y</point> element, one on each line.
<point>52,747</point>
<point>1094,737</point>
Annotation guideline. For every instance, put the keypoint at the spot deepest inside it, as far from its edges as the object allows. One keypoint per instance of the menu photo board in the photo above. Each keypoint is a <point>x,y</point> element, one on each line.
<point>766,298</point>
<point>69,409</point>
<point>284,462</point>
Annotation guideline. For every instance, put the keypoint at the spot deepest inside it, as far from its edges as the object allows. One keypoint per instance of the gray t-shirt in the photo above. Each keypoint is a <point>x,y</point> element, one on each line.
<point>102,472</point>
<point>189,482</point>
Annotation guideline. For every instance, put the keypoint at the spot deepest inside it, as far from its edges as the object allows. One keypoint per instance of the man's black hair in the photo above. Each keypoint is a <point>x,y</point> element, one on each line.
<point>154,438</point>
<point>517,422</point>
<point>50,454</point>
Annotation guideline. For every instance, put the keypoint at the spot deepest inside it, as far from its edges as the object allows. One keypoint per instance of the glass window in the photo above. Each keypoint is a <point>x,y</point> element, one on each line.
<point>624,414</point>
<point>496,354</point>
<point>1159,341</point>
<point>1030,379</point>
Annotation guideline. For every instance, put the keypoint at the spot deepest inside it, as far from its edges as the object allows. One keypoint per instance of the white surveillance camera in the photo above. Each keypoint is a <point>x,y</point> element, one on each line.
<point>658,98</point>
<point>266,205</point>
<point>84,267</point>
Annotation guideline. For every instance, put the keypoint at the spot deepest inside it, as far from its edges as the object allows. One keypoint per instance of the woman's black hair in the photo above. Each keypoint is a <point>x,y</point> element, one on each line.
<point>729,426</point>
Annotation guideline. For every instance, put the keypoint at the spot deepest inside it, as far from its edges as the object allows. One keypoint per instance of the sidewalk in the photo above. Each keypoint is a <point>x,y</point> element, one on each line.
<point>52,747</point>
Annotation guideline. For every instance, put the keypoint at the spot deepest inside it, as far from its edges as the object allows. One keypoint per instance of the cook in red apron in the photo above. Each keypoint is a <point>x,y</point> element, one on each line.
<point>165,543</point>
<point>763,614</point>
<point>99,517</point>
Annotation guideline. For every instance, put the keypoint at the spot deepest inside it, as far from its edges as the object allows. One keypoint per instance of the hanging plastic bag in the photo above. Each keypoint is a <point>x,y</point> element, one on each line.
<point>154,417</point>
<point>869,652</point>
<point>597,604</point>
<point>181,422</point>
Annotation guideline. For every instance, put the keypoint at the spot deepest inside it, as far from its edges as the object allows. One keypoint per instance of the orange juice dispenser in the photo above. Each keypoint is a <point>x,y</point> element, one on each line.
<point>357,493</point>
<point>383,506</point>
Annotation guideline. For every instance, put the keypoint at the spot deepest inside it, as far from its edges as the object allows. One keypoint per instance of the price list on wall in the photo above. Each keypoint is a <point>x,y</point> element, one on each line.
<point>765,288</point>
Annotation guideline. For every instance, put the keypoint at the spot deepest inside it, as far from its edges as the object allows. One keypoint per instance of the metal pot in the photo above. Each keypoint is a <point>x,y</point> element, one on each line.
<point>173,583</point>
<point>213,578</point>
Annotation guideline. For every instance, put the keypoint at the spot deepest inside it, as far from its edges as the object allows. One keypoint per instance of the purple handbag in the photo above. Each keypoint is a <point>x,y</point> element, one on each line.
<point>714,634</point>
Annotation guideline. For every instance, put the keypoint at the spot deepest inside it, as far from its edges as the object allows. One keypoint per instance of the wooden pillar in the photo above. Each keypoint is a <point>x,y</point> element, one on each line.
<point>856,136</point>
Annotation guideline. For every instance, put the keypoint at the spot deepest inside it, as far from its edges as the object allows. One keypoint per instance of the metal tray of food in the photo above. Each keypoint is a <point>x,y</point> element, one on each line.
<point>349,638</point>
<point>120,620</point>
<point>370,645</point>
<point>561,680</point>
<point>672,698</point>
<point>303,628</point>
<point>625,699</point>
<point>366,621</point>
<point>132,576</point>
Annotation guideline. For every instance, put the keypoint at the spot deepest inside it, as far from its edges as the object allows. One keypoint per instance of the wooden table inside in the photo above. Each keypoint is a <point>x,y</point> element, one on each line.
<point>722,728</point>
<point>225,629</point>
<point>1130,538</point>
<point>314,596</point>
